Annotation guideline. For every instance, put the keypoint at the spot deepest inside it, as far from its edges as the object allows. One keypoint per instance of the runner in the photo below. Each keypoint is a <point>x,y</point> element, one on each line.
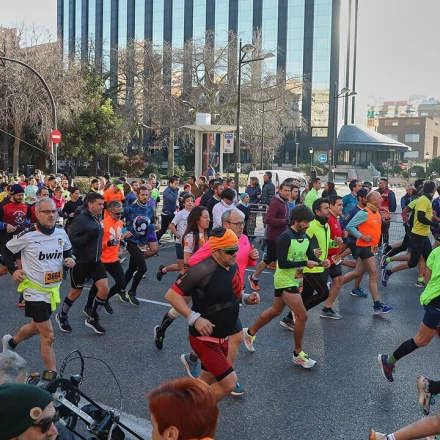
<point>366,227</point>
<point>42,251</point>
<point>430,300</point>
<point>86,234</point>
<point>139,222</point>
<point>216,290</point>
<point>294,253</point>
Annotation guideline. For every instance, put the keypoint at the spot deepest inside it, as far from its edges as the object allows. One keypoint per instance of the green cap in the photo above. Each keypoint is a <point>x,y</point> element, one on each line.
<point>20,406</point>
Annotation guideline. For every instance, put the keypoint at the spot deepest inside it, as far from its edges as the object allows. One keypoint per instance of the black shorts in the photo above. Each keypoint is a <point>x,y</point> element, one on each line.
<point>291,289</point>
<point>238,327</point>
<point>335,271</point>
<point>39,311</point>
<point>364,252</point>
<point>271,252</point>
<point>179,251</point>
<point>80,273</point>
<point>352,247</point>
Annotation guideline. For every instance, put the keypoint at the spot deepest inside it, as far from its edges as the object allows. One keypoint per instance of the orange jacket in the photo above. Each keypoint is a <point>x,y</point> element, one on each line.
<point>112,230</point>
<point>373,227</point>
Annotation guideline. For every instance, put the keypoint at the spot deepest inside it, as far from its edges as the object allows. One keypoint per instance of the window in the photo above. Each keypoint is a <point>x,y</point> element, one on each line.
<point>393,136</point>
<point>424,114</point>
<point>412,122</point>
<point>391,123</point>
<point>415,137</point>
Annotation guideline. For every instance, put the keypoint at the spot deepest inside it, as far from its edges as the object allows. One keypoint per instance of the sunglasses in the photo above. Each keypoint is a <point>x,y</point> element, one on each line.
<point>231,251</point>
<point>46,424</point>
<point>116,213</point>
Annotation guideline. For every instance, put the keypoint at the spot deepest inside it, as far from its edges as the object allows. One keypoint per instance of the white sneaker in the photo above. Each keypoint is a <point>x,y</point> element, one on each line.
<point>303,360</point>
<point>5,340</point>
<point>248,340</point>
<point>377,435</point>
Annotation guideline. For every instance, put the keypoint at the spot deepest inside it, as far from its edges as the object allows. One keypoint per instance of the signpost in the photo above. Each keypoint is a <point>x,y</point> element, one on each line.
<point>322,158</point>
<point>229,143</point>
<point>55,136</point>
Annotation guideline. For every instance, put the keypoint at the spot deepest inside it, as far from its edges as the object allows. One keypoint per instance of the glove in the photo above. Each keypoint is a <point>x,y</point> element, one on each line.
<point>113,242</point>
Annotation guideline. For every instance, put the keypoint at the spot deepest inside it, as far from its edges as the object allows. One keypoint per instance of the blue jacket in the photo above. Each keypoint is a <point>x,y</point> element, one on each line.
<point>349,201</point>
<point>345,221</point>
<point>253,194</point>
<point>139,220</point>
<point>170,196</point>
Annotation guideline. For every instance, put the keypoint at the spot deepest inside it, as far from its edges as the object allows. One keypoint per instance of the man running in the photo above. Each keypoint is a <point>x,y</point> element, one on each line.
<point>366,227</point>
<point>42,251</point>
<point>430,300</point>
<point>216,289</point>
<point>86,234</point>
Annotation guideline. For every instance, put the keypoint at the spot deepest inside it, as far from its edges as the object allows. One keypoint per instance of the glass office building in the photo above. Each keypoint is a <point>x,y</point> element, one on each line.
<point>306,33</point>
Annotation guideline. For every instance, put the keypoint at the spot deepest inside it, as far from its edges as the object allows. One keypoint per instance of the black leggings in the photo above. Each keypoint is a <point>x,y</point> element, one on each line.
<point>421,247</point>
<point>312,282</point>
<point>402,248</point>
<point>117,273</point>
<point>137,264</point>
<point>165,221</point>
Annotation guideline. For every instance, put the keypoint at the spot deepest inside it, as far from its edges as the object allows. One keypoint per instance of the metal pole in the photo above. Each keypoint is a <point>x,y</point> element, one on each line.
<point>262,141</point>
<point>335,127</point>
<point>52,101</point>
<point>296,154</point>
<point>353,102</point>
<point>237,148</point>
<point>347,65</point>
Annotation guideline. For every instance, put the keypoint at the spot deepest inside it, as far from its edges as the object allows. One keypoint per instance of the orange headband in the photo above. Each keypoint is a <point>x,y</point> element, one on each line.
<point>228,240</point>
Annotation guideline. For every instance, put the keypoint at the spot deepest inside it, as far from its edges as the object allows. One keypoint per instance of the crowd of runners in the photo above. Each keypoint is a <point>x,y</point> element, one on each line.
<point>49,232</point>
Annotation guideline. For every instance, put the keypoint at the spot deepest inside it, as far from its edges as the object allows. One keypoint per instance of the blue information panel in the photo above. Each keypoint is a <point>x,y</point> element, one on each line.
<point>322,158</point>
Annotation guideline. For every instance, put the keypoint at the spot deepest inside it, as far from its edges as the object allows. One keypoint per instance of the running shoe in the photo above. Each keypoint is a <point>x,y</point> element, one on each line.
<point>5,342</point>
<point>426,399</point>
<point>161,244</point>
<point>88,311</point>
<point>239,390</point>
<point>358,291</point>
<point>288,324</point>
<point>377,436</point>
<point>159,336</point>
<point>383,262</point>
<point>382,309</point>
<point>272,266</point>
<point>248,340</point>
<point>330,314</point>
<point>386,368</point>
<point>420,284</point>
<point>94,324</point>
<point>304,360</point>
<point>108,308</point>
<point>132,298</point>
<point>21,302</point>
<point>386,273</point>
<point>122,260</point>
<point>159,273</point>
<point>192,368</point>
<point>253,283</point>
<point>63,323</point>
<point>123,296</point>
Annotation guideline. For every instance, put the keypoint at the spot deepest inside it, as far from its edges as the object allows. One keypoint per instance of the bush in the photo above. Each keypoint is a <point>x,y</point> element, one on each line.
<point>83,184</point>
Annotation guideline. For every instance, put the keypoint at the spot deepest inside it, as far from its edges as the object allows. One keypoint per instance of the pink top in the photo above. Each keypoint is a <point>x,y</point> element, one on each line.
<point>243,255</point>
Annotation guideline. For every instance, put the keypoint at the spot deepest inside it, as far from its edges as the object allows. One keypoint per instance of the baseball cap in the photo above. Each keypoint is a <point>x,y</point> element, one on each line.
<point>20,406</point>
<point>16,189</point>
<point>118,183</point>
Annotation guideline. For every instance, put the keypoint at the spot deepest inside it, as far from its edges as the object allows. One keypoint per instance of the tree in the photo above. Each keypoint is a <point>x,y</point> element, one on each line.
<point>26,103</point>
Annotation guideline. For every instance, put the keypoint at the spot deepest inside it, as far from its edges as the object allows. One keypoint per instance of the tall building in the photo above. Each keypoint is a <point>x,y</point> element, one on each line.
<point>306,33</point>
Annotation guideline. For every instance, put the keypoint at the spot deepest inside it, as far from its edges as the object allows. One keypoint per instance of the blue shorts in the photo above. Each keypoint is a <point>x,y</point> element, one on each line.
<point>179,251</point>
<point>151,237</point>
<point>431,317</point>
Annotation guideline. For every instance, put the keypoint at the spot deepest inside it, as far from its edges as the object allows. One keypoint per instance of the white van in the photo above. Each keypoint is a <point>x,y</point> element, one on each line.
<point>278,176</point>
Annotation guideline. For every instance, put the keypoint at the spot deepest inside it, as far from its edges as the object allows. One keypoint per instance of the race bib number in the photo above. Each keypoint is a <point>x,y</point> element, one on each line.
<point>53,277</point>
<point>143,248</point>
<point>335,259</point>
<point>374,249</point>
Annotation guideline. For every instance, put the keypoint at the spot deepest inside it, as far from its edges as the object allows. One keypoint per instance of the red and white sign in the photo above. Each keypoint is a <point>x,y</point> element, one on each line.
<point>55,136</point>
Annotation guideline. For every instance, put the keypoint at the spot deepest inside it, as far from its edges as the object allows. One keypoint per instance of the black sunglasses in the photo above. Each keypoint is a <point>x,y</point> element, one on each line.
<point>46,424</point>
<point>230,251</point>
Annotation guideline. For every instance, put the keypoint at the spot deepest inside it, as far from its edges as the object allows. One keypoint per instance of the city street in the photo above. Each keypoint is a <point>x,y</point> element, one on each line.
<point>342,397</point>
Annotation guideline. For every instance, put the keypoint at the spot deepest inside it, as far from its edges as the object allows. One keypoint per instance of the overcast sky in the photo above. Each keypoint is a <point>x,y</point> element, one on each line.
<point>398,44</point>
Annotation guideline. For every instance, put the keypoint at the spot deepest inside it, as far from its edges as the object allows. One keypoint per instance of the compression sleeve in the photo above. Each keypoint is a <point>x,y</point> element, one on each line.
<point>357,220</point>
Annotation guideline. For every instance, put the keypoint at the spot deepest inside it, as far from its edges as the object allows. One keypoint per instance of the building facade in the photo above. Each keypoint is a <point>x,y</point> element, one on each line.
<point>306,33</point>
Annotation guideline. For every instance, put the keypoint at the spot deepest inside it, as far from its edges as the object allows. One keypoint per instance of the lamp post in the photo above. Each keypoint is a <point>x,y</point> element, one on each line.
<point>344,93</point>
<point>244,49</point>
<point>296,155</point>
<point>262,141</point>
<point>311,150</point>
<point>426,164</point>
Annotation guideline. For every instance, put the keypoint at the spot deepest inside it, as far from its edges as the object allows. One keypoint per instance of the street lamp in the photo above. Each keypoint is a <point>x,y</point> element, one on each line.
<point>426,164</point>
<point>296,155</point>
<point>243,51</point>
<point>311,150</point>
<point>344,93</point>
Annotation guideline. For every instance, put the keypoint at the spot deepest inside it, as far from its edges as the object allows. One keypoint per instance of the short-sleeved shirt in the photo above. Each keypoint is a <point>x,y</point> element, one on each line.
<point>180,221</point>
<point>112,230</point>
<point>188,244</point>
<point>423,204</point>
<point>215,293</point>
<point>431,294</point>
<point>42,258</point>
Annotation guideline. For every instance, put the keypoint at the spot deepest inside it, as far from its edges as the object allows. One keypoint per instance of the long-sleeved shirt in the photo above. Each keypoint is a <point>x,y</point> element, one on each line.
<point>218,211</point>
<point>267,193</point>
<point>311,196</point>
<point>170,196</point>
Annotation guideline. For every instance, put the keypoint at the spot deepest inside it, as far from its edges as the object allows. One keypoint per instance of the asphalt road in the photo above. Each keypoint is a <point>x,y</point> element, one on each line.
<point>342,397</point>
